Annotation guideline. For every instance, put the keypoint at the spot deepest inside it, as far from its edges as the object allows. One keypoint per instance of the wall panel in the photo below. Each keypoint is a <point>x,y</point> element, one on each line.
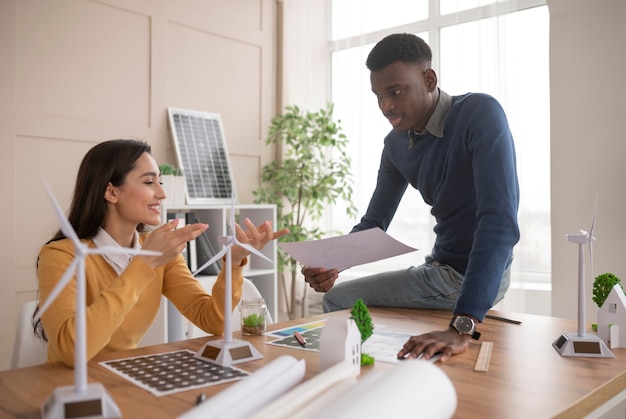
<point>77,72</point>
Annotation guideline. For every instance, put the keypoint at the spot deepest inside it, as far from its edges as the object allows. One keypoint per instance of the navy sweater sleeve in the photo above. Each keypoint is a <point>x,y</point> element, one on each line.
<point>489,143</point>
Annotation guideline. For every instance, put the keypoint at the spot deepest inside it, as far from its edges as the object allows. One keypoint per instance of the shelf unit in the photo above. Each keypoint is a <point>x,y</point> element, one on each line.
<point>170,325</point>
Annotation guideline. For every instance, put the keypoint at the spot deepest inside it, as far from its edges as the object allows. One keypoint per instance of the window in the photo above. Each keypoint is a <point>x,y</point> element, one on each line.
<point>482,46</point>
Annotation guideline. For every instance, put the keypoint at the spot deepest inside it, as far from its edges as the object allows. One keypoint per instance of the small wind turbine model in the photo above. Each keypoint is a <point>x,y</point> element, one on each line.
<point>229,351</point>
<point>581,344</point>
<point>81,399</point>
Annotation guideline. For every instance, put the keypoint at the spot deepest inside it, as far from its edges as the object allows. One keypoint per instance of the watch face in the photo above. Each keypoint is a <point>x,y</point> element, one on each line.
<point>464,324</point>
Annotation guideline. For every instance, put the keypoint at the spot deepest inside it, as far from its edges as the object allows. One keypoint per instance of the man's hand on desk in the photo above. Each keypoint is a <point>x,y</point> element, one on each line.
<point>448,342</point>
<point>320,279</point>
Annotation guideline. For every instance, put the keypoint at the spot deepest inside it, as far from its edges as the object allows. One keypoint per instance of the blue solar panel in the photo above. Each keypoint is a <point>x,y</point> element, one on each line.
<point>202,155</point>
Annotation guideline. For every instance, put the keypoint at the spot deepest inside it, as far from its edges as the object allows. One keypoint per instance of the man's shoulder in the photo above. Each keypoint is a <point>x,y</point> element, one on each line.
<point>474,99</point>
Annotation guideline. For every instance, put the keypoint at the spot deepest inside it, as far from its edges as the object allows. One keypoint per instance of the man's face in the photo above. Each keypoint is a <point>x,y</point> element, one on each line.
<point>405,94</point>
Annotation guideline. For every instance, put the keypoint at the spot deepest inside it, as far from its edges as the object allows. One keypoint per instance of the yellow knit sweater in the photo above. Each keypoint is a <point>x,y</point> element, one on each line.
<point>121,308</point>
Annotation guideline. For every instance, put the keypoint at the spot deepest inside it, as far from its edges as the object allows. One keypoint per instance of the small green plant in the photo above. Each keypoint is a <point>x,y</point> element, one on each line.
<point>253,324</point>
<point>602,287</point>
<point>361,316</point>
<point>254,320</point>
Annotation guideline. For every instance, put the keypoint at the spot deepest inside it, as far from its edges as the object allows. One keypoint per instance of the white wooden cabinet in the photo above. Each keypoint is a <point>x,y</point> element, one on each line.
<point>169,324</point>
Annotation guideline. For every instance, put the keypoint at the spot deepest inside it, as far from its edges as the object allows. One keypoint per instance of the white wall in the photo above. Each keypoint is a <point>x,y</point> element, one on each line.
<point>588,141</point>
<point>77,72</point>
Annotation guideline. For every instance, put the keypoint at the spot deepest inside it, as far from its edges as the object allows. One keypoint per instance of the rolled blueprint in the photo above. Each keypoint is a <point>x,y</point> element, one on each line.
<point>411,386</point>
<point>253,392</point>
<point>297,399</point>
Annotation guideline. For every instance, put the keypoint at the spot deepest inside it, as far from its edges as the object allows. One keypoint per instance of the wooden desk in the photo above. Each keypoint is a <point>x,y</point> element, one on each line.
<point>526,377</point>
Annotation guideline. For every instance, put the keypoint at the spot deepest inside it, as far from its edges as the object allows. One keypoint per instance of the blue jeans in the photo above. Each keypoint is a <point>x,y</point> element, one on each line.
<point>428,286</point>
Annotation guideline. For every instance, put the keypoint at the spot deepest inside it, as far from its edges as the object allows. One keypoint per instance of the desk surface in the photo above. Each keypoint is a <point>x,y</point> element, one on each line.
<point>526,376</point>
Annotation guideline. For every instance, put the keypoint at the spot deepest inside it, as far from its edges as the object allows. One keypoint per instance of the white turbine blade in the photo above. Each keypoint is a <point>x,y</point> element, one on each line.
<point>66,227</point>
<point>114,250</point>
<point>590,237</point>
<point>251,249</point>
<point>593,219</point>
<point>65,279</point>
<point>211,261</point>
<point>591,258</point>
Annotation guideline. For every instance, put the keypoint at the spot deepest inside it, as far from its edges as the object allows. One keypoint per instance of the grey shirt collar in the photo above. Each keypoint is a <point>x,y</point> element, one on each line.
<point>435,123</point>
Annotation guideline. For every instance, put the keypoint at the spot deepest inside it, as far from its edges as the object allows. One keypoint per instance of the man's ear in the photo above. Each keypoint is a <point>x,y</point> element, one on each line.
<point>431,79</point>
<point>110,194</point>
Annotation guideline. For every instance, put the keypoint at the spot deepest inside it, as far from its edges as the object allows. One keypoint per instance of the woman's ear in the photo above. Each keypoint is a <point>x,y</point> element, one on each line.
<point>110,194</point>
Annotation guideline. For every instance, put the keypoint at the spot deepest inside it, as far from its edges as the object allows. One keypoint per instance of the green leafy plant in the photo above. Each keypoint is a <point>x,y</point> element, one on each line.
<point>254,320</point>
<point>602,287</point>
<point>311,172</point>
<point>253,324</point>
<point>166,169</point>
<point>361,316</point>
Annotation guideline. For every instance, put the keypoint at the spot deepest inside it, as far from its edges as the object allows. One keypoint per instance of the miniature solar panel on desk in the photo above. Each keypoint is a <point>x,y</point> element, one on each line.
<point>202,155</point>
<point>171,372</point>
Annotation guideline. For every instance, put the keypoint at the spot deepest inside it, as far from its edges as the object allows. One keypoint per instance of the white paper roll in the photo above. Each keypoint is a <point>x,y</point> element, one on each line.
<point>253,392</point>
<point>296,400</point>
<point>412,386</point>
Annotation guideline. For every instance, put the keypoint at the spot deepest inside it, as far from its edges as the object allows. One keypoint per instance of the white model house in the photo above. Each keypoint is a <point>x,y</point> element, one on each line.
<point>613,313</point>
<point>340,341</point>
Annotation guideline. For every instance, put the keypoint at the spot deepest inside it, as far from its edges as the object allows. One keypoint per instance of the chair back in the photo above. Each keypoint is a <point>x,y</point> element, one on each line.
<point>28,349</point>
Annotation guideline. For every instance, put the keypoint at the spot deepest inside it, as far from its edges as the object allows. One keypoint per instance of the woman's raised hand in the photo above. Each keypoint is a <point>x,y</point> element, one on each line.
<point>255,236</point>
<point>170,241</point>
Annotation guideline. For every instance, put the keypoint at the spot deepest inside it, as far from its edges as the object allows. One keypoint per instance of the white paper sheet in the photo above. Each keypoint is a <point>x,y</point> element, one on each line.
<point>296,400</point>
<point>413,388</point>
<point>343,252</point>
<point>252,393</point>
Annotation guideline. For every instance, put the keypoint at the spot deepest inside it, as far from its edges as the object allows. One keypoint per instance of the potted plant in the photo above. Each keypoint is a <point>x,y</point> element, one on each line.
<point>173,183</point>
<point>167,182</point>
<point>253,324</point>
<point>312,172</point>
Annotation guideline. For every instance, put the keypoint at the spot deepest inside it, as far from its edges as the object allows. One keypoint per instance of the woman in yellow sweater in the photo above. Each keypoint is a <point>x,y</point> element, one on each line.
<point>118,194</point>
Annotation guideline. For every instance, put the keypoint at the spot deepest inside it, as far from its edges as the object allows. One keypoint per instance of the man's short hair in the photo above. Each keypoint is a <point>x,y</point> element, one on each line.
<point>403,47</point>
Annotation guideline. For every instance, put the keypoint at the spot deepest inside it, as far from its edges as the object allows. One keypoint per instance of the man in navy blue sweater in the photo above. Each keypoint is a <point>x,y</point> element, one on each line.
<point>458,152</point>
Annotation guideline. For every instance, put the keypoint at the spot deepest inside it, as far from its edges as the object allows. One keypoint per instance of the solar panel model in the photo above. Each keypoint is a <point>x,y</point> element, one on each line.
<point>202,155</point>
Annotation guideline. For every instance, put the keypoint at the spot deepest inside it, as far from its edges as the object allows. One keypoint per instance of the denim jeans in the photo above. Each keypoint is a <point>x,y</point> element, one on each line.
<point>428,286</point>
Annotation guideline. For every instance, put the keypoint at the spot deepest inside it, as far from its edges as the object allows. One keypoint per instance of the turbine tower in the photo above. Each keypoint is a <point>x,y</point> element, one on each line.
<point>228,351</point>
<point>581,344</point>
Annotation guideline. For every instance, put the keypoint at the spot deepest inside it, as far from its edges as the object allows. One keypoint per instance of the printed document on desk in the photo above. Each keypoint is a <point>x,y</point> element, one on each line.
<point>343,252</point>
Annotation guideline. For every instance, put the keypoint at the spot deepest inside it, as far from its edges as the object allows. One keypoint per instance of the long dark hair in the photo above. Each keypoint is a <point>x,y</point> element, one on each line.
<point>109,161</point>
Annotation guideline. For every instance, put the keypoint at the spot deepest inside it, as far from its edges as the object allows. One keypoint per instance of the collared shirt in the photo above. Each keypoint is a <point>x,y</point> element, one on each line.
<point>120,261</point>
<point>436,121</point>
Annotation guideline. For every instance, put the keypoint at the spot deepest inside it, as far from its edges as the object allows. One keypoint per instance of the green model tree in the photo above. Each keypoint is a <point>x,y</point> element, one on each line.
<point>361,316</point>
<point>602,287</point>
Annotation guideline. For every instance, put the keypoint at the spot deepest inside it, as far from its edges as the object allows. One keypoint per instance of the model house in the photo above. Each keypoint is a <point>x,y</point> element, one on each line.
<point>340,341</point>
<point>612,318</point>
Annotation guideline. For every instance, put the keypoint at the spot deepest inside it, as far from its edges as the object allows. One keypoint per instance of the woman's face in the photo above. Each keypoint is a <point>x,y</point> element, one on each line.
<point>138,199</point>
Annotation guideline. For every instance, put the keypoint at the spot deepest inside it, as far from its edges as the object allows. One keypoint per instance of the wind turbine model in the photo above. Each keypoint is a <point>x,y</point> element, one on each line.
<point>581,344</point>
<point>229,351</point>
<point>81,399</point>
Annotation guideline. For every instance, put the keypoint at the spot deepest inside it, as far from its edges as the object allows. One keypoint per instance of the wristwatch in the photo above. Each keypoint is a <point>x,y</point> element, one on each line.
<point>465,325</point>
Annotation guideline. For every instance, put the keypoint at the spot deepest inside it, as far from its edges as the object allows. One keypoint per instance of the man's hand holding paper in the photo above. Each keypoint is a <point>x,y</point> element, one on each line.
<point>322,260</point>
